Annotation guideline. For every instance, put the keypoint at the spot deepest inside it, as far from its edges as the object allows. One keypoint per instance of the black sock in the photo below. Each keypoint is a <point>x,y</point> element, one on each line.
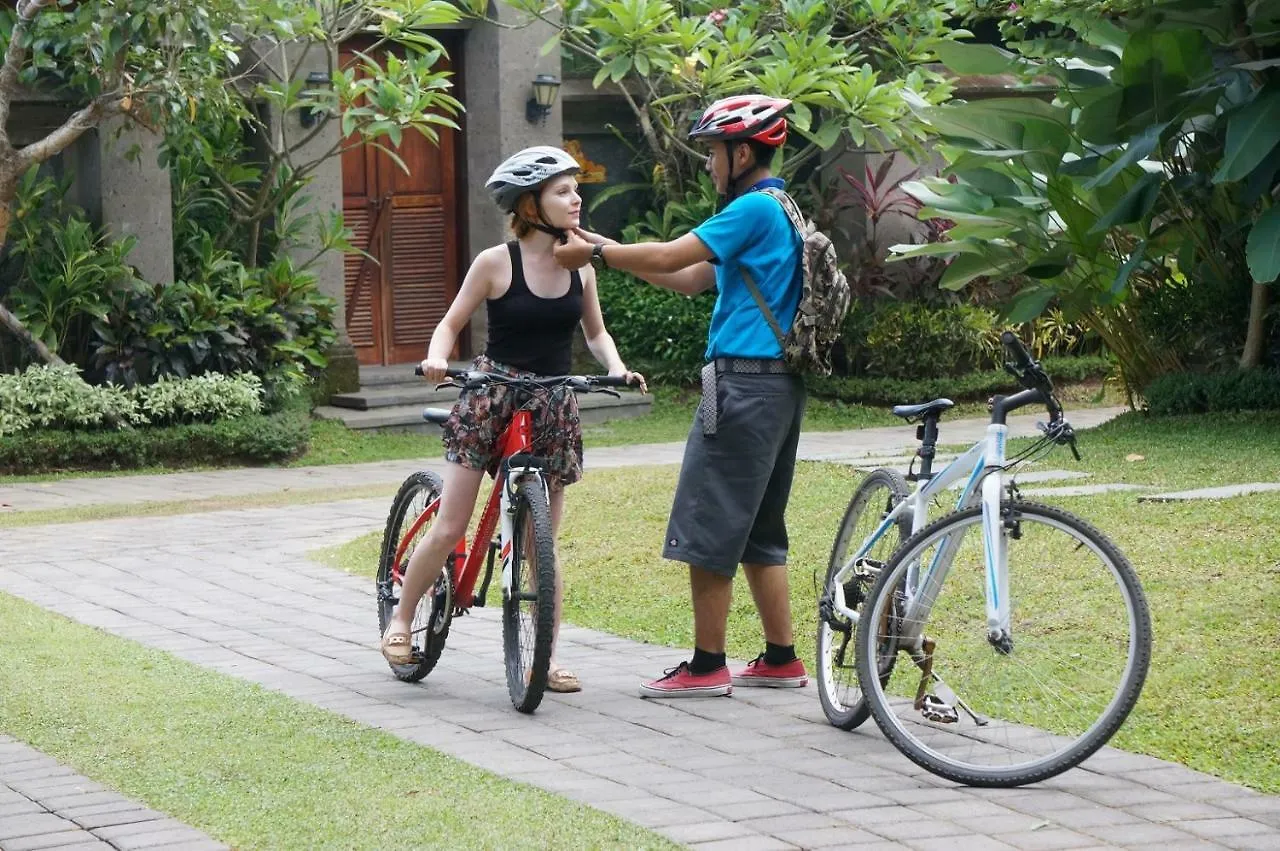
<point>778,654</point>
<point>704,662</point>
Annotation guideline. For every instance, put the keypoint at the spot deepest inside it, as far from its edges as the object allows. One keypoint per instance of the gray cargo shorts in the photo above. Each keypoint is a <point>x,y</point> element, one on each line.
<point>734,485</point>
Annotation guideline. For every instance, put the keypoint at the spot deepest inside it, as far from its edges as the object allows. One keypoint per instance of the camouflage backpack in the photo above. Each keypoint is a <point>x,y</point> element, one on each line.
<point>824,297</point>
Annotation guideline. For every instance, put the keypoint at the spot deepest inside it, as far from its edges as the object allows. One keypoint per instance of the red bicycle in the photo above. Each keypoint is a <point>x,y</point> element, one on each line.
<point>518,509</point>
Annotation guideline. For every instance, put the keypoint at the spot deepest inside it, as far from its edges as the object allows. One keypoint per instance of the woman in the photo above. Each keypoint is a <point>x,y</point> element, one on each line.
<point>533,307</point>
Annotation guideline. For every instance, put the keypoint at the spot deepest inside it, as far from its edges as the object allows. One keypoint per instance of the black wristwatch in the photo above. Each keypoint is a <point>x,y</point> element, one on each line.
<point>597,256</point>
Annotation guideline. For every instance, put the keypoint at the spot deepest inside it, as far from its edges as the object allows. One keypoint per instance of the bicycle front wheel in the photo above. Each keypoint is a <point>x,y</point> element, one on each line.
<point>1006,714</point>
<point>838,689</point>
<point>435,610</point>
<point>528,606</point>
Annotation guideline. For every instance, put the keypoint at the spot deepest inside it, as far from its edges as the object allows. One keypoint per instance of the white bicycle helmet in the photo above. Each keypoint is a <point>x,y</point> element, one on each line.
<point>527,170</point>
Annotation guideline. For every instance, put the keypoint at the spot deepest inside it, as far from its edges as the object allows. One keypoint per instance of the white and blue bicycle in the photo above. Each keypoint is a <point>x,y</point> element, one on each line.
<point>1002,643</point>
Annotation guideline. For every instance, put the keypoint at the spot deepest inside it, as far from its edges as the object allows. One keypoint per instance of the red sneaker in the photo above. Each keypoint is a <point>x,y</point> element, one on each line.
<point>761,674</point>
<point>681,682</point>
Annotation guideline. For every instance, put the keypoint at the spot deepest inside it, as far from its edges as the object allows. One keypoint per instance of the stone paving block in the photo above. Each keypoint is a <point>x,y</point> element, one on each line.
<point>31,825</point>
<point>708,831</point>
<point>795,821</point>
<point>747,843</point>
<point>1223,828</point>
<point>913,827</point>
<point>1178,811</point>
<point>1224,492</point>
<point>869,817</point>
<point>949,843</point>
<point>125,813</point>
<point>1092,816</point>
<point>757,809</point>
<point>654,812</point>
<point>1252,842</point>
<point>179,836</point>
<point>1047,839</point>
<point>828,837</point>
<point>40,841</point>
<point>1141,833</point>
<point>19,807</point>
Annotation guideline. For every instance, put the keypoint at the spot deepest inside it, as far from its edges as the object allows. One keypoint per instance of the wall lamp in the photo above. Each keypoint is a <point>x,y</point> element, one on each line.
<point>545,89</point>
<point>309,115</point>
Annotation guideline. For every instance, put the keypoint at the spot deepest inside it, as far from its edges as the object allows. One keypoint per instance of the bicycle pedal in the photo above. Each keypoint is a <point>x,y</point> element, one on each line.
<point>934,709</point>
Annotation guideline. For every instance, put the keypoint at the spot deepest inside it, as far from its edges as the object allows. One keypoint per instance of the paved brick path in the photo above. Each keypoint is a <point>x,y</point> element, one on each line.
<point>844,446</point>
<point>233,591</point>
<point>47,805</point>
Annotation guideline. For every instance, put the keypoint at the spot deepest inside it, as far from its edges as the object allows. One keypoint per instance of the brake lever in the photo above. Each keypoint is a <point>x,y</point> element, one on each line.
<point>614,393</point>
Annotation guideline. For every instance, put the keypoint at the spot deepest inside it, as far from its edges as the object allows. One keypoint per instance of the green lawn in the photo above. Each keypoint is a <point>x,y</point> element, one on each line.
<point>1211,571</point>
<point>256,769</point>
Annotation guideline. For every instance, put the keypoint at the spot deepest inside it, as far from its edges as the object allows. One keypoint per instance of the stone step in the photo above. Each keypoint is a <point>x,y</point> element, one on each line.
<point>594,408</point>
<point>397,395</point>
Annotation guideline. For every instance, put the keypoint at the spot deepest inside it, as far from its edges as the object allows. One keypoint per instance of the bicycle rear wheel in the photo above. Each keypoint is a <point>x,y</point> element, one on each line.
<point>528,607</point>
<point>435,610</point>
<point>838,689</point>
<point>985,714</point>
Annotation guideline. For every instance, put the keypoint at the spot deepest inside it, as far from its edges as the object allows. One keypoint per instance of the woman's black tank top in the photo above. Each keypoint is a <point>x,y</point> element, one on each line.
<point>529,332</point>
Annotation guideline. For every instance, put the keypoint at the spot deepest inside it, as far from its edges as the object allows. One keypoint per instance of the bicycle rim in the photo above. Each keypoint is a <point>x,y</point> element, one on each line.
<point>528,609</point>
<point>838,689</point>
<point>1081,641</point>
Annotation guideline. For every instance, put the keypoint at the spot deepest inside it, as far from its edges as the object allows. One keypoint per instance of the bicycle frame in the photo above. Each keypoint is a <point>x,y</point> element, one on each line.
<point>515,440</point>
<point>987,455</point>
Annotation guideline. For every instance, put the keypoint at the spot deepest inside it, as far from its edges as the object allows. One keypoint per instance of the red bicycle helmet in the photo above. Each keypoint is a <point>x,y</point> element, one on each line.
<point>755,117</point>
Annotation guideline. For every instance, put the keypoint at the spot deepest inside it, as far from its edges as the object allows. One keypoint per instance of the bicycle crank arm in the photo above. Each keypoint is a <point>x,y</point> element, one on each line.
<point>927,702</point>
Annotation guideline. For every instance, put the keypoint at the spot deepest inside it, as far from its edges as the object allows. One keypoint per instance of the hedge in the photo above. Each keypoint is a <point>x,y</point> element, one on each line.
<point>253,439</point>
<point>971,387</point>
<point>1205,393</point>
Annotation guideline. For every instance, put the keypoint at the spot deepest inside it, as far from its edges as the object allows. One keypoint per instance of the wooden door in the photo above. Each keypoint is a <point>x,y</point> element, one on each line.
<point>408,222</point>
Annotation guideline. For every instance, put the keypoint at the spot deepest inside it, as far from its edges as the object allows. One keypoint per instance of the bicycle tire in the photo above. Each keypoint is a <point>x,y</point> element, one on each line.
<point>846,708</point>
<point>941,756</point>
<point>531,518</point>
<point>435,610</point>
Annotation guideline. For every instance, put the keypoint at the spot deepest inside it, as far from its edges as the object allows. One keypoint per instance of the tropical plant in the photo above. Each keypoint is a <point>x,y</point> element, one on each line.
<point>1146,148</point>
<point>60,269</point>
<point>169,59</point>
<point>879,196</point>
<point>846,66</point>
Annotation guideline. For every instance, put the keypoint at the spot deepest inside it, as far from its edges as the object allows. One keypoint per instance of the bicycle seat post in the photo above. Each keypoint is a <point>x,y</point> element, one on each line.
<point>927,434</point>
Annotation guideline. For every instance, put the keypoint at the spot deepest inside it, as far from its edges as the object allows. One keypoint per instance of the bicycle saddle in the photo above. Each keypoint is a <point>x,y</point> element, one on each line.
<point>439,416</point>
<point>911,412</point>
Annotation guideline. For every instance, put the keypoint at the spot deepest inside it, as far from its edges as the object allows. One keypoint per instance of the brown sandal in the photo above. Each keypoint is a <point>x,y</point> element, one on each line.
<point>563,682</point>
<point>397,648</point>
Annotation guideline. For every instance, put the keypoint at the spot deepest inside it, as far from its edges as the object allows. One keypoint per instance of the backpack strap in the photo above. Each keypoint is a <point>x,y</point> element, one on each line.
<point>797,221</point>
<point>790,207</point>
<point>764,307</point>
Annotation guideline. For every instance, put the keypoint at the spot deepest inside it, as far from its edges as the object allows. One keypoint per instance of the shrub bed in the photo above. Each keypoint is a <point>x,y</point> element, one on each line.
<point>253,439</point>
<point>974,386</point>
<point>1206,393</point>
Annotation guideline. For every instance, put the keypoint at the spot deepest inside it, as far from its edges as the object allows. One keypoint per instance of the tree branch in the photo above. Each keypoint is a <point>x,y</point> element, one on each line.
<point>73,128</point>
<point>15,55</point>
<point>20,331</point>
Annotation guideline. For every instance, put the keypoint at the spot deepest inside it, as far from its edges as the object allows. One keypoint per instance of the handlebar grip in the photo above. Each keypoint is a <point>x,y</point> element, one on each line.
<point>611,381</point>
<point>449,373</point>
<point>1021,357</point>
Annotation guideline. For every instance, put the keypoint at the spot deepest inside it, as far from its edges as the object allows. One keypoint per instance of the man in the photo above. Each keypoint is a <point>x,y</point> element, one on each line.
<point>740,457</point>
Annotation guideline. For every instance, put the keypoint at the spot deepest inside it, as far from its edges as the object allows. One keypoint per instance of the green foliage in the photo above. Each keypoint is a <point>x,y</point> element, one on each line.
<point>973,386</point>
<point>252,439</point>
<point>1201,393</point>
<point>893,339</point>
<point>658,332</point>
<point>850,70</point>
<point>60,267</point>
<point>1160,159</point>
<point>56,397</point>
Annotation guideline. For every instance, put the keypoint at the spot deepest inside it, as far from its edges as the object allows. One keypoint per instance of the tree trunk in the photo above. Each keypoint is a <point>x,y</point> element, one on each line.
<point>20,331</point>
<point>1256,338</point>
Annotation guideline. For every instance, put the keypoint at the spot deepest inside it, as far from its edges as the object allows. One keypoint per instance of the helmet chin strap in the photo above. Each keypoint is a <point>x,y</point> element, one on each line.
<point>559,233</point>
<point>733,189</point>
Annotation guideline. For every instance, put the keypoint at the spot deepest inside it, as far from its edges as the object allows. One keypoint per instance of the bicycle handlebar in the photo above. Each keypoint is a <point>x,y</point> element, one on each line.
<point>1039,388</point>
<point>472,380</point>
